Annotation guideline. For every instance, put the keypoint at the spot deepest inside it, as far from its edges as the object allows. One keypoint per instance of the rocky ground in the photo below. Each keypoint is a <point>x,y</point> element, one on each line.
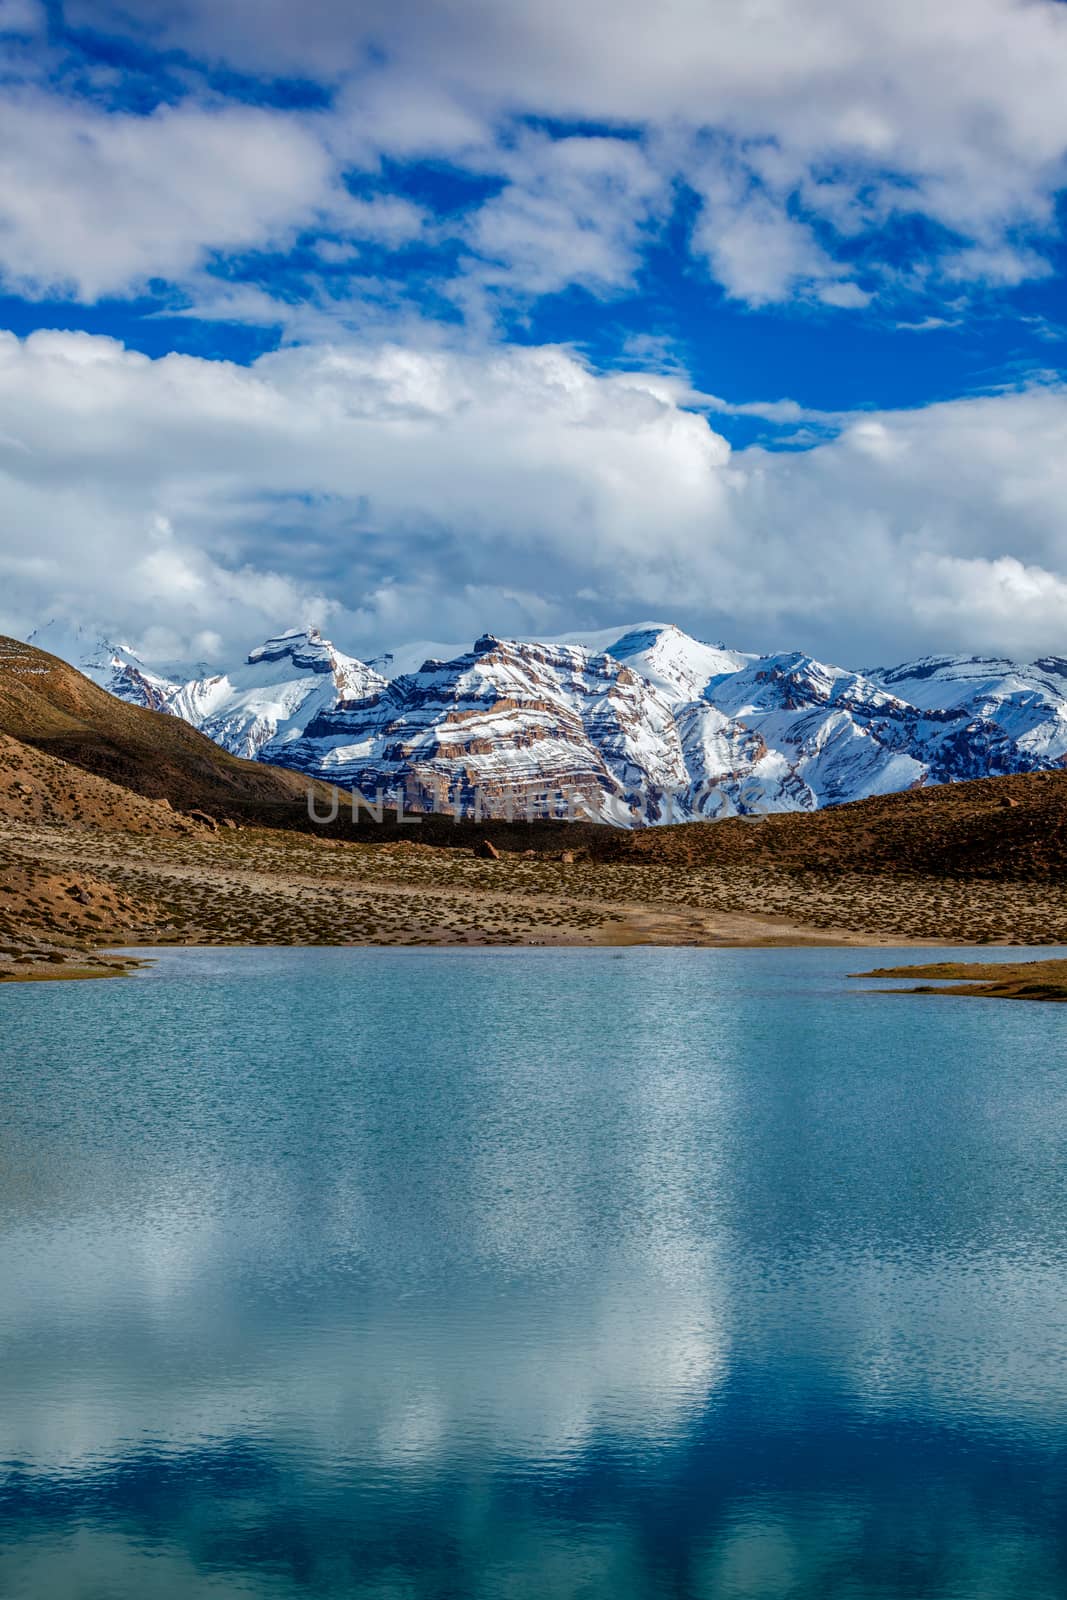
<point>67,890</point>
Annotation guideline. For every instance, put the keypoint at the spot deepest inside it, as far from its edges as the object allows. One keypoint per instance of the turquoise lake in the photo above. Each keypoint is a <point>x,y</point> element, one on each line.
<point>528,1274</point>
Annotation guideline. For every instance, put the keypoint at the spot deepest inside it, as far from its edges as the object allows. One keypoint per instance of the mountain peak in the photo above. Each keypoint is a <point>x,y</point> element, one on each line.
<point>680,666</point>
<point>305,646</point>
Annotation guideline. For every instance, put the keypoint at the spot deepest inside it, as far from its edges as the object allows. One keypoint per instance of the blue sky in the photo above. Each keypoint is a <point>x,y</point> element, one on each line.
<point>416,320</point>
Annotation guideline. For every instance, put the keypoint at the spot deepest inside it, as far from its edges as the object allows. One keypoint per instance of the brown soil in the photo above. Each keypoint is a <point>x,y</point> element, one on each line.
<point>997,829</point>
<point>260,886</point>
<point>994,980</point>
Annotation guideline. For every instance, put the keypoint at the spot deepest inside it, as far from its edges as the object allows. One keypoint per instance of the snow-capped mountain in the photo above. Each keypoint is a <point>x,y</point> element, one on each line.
<point>281,686</point>
<point>116,667</point>
<point>830,735</point>
<point>640,726</point>
<point>1028,704</point>
<point>497,725</point>
<point>268,701</point>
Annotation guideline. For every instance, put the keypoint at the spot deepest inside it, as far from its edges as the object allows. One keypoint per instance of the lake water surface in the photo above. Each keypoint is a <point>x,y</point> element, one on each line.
<point>530,1274</point>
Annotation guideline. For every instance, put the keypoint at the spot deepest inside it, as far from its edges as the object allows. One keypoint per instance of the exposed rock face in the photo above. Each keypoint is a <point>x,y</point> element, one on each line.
<point>656,727</point>
<point>281,686</point>
<point>505,726</point>
<point>1021,707</point>
<point>778,733</point>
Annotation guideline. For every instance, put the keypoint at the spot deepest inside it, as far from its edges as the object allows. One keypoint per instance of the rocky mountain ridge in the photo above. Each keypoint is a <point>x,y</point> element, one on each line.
<point>652,727</point>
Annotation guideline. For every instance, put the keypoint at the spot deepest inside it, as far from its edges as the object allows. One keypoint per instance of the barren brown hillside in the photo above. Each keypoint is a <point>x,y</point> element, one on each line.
<point>1007,828</point>
<point>49,705</point>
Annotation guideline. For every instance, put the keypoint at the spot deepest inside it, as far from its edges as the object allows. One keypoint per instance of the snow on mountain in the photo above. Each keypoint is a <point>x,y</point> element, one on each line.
<point>115,667</point>
<point>283,685</point>
<point>641,725</point>
<point>750,733</point>
<point>404,659</point>
<point>669,644</point>
<point>500,723</point>
<point>832,735</point>
<point>681,668</point>
<point>1026,702</point>
<point>84,648</point>
<point>818,735</point>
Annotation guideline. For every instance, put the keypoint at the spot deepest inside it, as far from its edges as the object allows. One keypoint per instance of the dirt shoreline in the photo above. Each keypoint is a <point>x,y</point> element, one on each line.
<point>72,894</point>
<point>1044,980</point>
<point>633,934</point>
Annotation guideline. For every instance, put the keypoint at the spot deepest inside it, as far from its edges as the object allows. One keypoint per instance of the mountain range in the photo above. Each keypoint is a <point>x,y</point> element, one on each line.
<point>640,726</point>
<point>121,824</point>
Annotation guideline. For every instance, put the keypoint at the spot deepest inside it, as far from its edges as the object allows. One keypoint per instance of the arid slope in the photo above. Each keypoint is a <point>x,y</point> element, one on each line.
<point>49,705</point>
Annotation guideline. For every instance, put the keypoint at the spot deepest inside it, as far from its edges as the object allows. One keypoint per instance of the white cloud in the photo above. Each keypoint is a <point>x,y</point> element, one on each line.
<point>95,203</point>
<point>989,595</point>
<point>572,212</point>
<point>872,438</point>
<point>385,219</point>
<point>756,250</point>
<point>406,117</point>
<point>853,109</point>
<point>803,126</point>
<point>927,325</point>
<point>99,203</point>
<point>1000,266</point>
<point>399,493</point>
<point>847,296</point>
<point>21,17</point>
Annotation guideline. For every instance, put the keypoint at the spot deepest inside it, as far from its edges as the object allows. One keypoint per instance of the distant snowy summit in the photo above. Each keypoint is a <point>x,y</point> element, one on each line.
<point>280,687</point>
<point>642,726</point>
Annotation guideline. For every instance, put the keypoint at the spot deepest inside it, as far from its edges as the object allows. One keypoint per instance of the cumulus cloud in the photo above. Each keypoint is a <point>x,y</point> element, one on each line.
<point>98,203</point>
<point>986,594</point>
<point>757,251</point>
<point>394,493</point>
<point>801,128</point>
